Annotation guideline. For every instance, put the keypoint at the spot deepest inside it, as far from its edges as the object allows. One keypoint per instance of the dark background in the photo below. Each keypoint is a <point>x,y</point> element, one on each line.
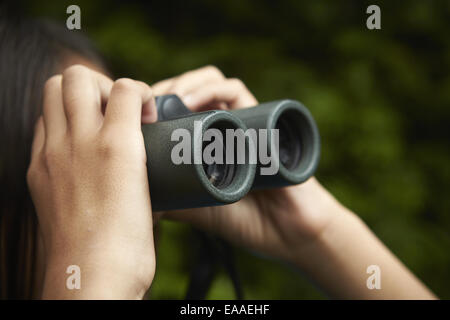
<point>381,99</point>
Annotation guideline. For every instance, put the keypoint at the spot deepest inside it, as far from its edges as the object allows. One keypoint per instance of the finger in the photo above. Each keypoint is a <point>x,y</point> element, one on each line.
<point>128,103</point>
<point>84,91</point>
<point>39,138</point>
<point>53,109</point>
<point>149,114</point>
<point>196,79</point>
<point>231,91</point>
<point>162,87</point>
<point>189,81</point>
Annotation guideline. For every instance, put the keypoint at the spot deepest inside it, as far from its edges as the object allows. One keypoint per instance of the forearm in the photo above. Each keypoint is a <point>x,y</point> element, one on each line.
<point>337,261</point>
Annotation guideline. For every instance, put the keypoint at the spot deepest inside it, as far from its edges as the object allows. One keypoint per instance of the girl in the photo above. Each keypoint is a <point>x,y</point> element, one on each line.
<point>75,190</point>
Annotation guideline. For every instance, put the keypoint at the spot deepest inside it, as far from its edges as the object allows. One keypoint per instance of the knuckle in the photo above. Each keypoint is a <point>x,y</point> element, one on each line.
<point>214,71</point>
<point>31,174</point>
<point>109,145</point>
<point>34,172</point>
<point>142,84</point>
<point>75,70</point>
<point>37,126</point>
<point>145,88</point>
<point>51,156</point>
<point>178,83</point>
<point>52,83</point>
<point>238,83</point>
<point>114,146</point>
<point>125,84</point>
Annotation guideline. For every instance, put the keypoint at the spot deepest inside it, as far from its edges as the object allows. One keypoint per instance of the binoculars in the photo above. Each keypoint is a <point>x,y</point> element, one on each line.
<point>199,184</point>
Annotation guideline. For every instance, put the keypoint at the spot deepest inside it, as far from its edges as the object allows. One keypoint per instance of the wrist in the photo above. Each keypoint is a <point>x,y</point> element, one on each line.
<point>318,218</point>
<point>309,212</point>
<point>337,236</point>
<point>95,276</point>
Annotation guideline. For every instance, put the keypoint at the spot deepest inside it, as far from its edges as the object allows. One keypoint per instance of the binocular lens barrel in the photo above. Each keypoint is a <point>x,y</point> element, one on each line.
<point>198,183</point>
<point>298,141</point>
<point>190,185</point>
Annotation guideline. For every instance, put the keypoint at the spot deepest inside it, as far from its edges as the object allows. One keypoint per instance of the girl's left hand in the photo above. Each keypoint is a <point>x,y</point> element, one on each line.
<point>88,180</point>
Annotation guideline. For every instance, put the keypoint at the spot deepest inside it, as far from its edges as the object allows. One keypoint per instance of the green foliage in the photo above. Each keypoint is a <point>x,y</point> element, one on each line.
<point>381,99</point>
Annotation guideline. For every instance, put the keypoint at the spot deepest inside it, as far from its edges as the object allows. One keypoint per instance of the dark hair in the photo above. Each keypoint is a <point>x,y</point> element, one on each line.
<point>30,52</point>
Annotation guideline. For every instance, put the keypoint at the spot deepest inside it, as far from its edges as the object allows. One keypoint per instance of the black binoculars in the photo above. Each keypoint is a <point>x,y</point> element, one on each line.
<point>196,183</point>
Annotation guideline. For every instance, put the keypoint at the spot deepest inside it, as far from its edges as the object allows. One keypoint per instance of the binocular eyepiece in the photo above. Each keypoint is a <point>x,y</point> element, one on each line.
<point>271,145</point>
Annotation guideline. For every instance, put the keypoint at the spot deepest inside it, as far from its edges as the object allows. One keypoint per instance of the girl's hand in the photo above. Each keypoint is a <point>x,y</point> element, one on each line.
<point>88,180</point>
<point>278,222</point>
<point>302,224</point>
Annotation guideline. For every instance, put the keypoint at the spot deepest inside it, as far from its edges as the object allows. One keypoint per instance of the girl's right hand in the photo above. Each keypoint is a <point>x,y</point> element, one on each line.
<point>278,222</point>
<point>88,180</point>
<point>302,224</point>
